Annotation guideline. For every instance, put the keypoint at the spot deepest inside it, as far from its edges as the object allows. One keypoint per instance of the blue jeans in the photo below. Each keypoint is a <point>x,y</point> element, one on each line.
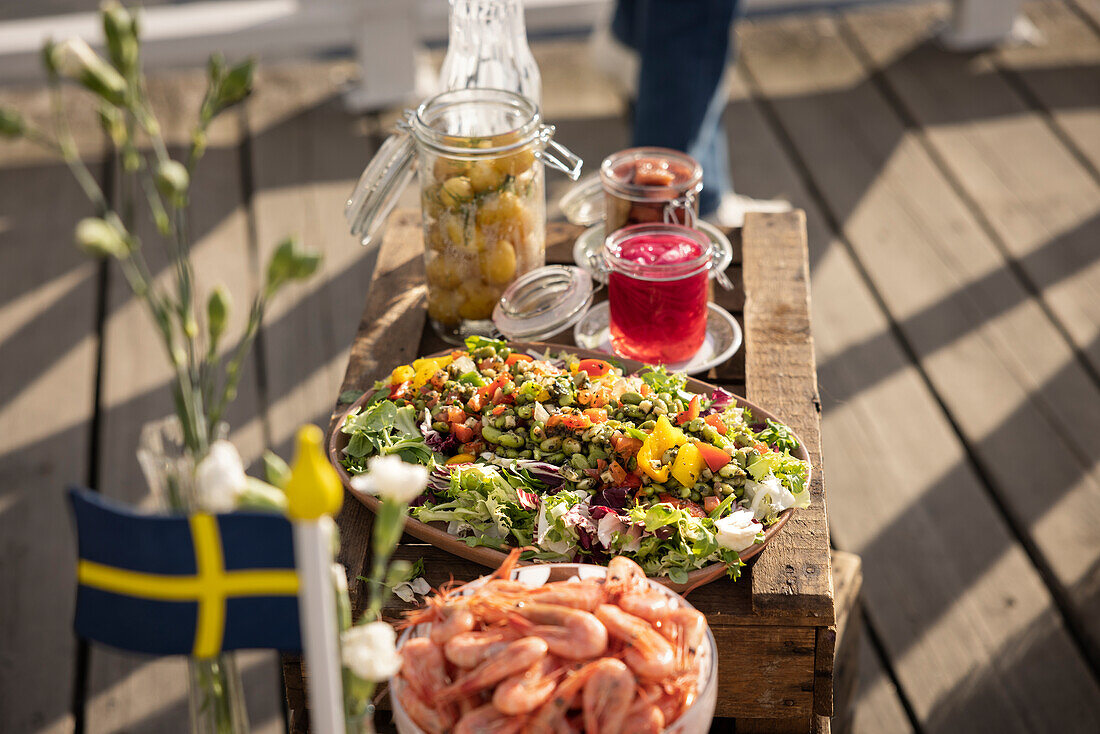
<point>683,46</point>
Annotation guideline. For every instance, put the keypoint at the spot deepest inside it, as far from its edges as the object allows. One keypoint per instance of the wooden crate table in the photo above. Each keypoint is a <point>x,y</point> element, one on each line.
<point>775,627</point>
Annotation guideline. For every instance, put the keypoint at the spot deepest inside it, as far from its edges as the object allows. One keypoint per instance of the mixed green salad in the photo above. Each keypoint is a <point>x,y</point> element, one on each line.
<point>577,461</point>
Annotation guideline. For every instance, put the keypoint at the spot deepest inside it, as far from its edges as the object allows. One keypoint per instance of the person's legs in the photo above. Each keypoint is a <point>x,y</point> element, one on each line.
<point>684,47</point>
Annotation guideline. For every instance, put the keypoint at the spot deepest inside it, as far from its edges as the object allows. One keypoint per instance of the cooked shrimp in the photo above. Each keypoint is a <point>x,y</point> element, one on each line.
<point>513,658</point>
<point>524,693</point>
<point>644,717</point>
<point>455,620</point>
<point>649,654</point>
<point>607,696</point>
<point>422,665</point>
<point>487,720</point>
<point>469,649</point>
<point>423,714</point>
<point>550,717</point>
<point>572,634</point>
<point>624,575</point>
<point>686,629</point>
<point>586,595</point>
<point>649,604</point>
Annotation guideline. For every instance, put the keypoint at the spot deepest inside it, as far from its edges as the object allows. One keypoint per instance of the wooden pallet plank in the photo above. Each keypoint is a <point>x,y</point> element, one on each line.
<point>306,153</point>
<point>48,344</point>
<point>942,633</point>
<point>792,574</point>
<point>128,692</point>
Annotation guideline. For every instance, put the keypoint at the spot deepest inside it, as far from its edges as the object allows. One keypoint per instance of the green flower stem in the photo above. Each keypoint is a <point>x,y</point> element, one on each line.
<point>233,369</point>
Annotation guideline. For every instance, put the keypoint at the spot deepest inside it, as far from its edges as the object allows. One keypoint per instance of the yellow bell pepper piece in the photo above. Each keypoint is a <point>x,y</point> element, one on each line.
<point>404,373</point>
<point>460,458</point>
<point>425,368</point>
<point>663,437</point>
<point>689,463</point>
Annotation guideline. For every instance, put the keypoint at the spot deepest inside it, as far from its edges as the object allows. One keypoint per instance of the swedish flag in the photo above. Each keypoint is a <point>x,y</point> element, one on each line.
<point>190,585</point>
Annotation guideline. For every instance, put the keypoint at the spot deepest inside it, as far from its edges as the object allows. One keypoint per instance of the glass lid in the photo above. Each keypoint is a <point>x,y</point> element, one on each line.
<point>543,303</point>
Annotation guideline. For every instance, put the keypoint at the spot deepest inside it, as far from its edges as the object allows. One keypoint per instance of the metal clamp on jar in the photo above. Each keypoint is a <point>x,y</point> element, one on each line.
<point>481,154</point>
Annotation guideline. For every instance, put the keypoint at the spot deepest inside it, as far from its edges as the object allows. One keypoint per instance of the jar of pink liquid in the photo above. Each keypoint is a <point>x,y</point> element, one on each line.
<point>657,291</point>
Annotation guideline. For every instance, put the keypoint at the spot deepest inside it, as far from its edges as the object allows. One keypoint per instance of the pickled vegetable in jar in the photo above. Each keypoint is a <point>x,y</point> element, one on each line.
<point>481,155</point>
<point>650,185</point>
<point>657,291</point>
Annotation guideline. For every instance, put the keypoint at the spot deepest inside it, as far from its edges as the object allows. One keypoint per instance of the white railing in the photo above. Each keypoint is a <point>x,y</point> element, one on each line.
<point>387,36</point>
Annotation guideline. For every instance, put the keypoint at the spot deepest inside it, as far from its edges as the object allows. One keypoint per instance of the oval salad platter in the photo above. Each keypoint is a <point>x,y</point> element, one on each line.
<point>436,533</point>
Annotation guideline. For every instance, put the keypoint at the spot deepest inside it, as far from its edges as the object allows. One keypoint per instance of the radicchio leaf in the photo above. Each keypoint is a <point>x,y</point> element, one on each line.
<point>614,497</point>
<point>720,400</point>
<point>527,500</point>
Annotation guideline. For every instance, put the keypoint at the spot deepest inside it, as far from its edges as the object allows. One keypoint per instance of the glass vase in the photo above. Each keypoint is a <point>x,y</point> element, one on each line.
<point>215,690</point>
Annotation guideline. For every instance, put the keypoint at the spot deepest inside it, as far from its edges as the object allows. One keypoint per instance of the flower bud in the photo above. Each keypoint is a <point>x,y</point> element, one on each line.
<point>110,119</point>
<point>236,85</point>
<point>76,60</point>
<point>220,478</point>
<point>291,262</point>
<point>11,123</point>
<point>275,469</point>
<point>173,180</point>
<point>120,30</point>
<point>370,651</point>
<point>98,238</point>
<point>217,313</point>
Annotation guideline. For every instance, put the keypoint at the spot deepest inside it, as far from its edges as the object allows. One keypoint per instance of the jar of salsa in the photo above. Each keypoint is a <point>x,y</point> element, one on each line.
<point>657,291</point>
<point>650,185</point>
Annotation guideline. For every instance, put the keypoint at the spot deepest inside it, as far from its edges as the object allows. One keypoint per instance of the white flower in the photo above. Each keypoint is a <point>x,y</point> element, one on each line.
<point>738,530</point>
<point>769,497</point>
<point>391,478</point>
<point>370,651</point>
<point>219,478</point>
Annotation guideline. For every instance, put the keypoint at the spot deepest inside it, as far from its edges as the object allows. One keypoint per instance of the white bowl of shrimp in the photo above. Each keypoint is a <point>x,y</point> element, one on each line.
<point>561,647</point>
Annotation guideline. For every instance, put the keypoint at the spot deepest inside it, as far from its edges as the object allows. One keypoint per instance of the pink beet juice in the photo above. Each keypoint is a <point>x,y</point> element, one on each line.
<point>657,291</point>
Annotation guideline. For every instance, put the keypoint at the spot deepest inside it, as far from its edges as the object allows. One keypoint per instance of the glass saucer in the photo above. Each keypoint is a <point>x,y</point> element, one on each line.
<point>722,341</point>
<point>587,248</point>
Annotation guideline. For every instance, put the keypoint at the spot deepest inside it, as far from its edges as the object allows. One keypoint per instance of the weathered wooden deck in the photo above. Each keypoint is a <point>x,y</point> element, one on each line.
<point>953,205</point>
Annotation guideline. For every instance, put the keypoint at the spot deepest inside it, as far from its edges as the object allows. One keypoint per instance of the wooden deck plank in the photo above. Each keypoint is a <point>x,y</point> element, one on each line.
<point>988,349</point>
<point>942,634</point>
<point>1045,208</point>
<point>127,692</point>
<point>307,152</point>
<point>1062,73</point>
<point>1040,203</point>
<point>877,706</point>
<point>48,344</point>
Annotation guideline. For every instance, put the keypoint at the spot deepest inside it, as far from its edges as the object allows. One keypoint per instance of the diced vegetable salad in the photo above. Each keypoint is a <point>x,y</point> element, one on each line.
<point>580,462</point>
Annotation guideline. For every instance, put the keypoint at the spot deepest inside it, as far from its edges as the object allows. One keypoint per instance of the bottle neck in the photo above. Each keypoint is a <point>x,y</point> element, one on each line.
<point>488,48</point>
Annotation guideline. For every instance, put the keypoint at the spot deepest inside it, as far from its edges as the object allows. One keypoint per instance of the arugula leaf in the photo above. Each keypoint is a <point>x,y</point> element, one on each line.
<point>777,436</point>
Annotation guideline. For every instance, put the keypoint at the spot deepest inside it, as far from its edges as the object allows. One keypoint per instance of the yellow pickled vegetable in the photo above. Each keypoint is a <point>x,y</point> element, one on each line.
<point>425,368</point>
<point>689,463</point>
<point>460,458</point>
<point>484,176</point>
<point>500,264</point>
<point>456,191</point>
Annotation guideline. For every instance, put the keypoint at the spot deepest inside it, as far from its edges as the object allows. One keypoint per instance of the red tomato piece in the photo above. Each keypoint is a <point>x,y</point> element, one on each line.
<point>626,446</point>
<point>518,357</point>
<point>399,390</point>
<point>454,414</point>
<point>690,414</point>
<point>475,403</point>
<point>576,421</point>
<point>715,422</point>
<point>596,415</point>
<point>711,503</point>
<point>692,508</point>
<point>594,367</point>
<point>715,457</point>
<point>463,433</point>
<point>499,409</point>
<point>618,474</point>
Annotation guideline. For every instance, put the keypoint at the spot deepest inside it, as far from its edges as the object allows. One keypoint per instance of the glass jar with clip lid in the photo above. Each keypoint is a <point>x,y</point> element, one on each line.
<point>481,155</point>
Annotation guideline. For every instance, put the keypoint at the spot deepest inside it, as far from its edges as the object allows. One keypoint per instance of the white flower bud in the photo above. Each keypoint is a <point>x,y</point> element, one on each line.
<point>370,651</point>
<point>219,478</point>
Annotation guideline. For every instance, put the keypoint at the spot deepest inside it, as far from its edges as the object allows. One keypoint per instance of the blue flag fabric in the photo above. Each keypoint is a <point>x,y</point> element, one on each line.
<point>188,585</point>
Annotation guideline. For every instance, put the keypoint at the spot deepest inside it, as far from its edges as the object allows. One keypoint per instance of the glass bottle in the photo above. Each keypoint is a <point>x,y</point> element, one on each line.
<point>487,49</point>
